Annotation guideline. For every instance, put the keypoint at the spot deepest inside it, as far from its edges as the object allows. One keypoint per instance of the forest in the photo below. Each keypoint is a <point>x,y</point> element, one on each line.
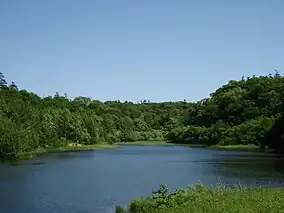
<point>247,111</point>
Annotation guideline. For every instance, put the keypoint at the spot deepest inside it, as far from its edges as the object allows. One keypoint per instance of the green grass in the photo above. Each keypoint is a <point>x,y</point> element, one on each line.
<point>195,145</point>
<point>201,199</point>
<point>246,148</point>
<point>72,148</point>
<point>146,143</point>
<point>68,148</point>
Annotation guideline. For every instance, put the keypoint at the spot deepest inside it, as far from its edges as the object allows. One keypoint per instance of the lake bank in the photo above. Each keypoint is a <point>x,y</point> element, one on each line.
<point>67,148</point>
<point>243,148</point>
<point>201,199</point>
<point>147,143</point>
<point>72,147</point>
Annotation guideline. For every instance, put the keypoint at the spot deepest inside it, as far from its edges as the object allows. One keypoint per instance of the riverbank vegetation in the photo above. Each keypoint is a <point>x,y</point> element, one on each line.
<point>244,112</point>
<point>146,143</point>
<point>66,148</point>
<point>246,148</point>
<point>201,199</point>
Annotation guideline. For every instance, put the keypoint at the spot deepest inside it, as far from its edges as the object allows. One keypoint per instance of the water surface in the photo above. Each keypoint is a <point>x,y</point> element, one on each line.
<point>94,181</point>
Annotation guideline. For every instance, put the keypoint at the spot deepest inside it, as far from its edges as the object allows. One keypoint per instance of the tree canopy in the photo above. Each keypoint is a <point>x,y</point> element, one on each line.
<point>248,111</point>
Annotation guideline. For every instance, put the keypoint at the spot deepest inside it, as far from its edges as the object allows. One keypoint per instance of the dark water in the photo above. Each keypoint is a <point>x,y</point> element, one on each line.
<point>93,182</point>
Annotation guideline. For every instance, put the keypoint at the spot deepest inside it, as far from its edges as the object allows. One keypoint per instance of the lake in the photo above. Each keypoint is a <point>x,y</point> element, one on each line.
<point>95,181</point>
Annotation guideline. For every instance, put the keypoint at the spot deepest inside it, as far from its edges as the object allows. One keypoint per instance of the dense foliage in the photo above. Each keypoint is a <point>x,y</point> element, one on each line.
<point>242,112</point>
<point>201,199</point>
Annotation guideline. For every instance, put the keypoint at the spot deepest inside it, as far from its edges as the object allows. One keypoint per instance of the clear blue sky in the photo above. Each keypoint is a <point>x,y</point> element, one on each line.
<point>156,50</point>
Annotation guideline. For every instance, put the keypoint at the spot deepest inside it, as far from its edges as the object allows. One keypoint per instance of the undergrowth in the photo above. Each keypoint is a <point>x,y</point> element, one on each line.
<point>201,199</point>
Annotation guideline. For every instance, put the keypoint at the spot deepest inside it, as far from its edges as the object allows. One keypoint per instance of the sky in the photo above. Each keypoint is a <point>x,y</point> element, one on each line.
<point>157,50</point>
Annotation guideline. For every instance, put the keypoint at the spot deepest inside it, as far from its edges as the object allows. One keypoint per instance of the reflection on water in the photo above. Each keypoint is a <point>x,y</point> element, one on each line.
<point>266,170</point>
<point>95,181</point>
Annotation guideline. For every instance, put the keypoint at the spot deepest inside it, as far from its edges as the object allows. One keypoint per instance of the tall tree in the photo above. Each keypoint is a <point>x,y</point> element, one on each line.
<point>3,82</point>
<point>13,85</point>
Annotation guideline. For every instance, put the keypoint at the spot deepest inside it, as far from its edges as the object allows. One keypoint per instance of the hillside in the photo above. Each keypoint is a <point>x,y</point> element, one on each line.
<point>249,111</point>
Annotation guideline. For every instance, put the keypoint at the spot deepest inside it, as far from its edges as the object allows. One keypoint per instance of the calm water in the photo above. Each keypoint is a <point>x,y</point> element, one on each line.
<point>93,182</point>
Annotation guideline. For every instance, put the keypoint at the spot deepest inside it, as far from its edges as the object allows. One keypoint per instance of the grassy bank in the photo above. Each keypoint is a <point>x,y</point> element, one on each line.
<point>67,148</point>
<point>146,143</point>
<point>71,147</point>
<point>201,199</point>
<point>245,148</point>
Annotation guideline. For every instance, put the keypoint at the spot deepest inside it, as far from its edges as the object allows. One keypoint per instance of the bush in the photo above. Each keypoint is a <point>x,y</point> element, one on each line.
<point>201,199</point>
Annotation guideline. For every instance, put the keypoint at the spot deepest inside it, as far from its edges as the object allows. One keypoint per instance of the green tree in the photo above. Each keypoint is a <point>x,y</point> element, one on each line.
<point>3,82</point>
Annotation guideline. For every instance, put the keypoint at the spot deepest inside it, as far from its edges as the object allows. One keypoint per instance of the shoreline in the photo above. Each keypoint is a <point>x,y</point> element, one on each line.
<point>73,148</point>
<point>241,148</point>
<point>80,148</point>
<point>146,143</point>
<point>68,148</point>
<point>199,198</point>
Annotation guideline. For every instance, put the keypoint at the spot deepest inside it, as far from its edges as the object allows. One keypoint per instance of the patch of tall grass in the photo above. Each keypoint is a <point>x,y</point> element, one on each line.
<point>244,148</point>
<point>147,143</point>
<point>66,148</point>
<point>201,199</point>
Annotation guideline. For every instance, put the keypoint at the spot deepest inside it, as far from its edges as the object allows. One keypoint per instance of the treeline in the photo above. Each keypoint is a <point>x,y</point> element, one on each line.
<point>29,121</point>
<point>249,111</point>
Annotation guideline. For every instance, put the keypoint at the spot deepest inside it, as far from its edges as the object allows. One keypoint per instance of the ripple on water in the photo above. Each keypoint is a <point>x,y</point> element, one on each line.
<point>94,182</point>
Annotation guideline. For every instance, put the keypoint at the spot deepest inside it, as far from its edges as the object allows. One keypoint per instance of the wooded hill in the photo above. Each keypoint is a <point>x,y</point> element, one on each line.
<point>248,111</point>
